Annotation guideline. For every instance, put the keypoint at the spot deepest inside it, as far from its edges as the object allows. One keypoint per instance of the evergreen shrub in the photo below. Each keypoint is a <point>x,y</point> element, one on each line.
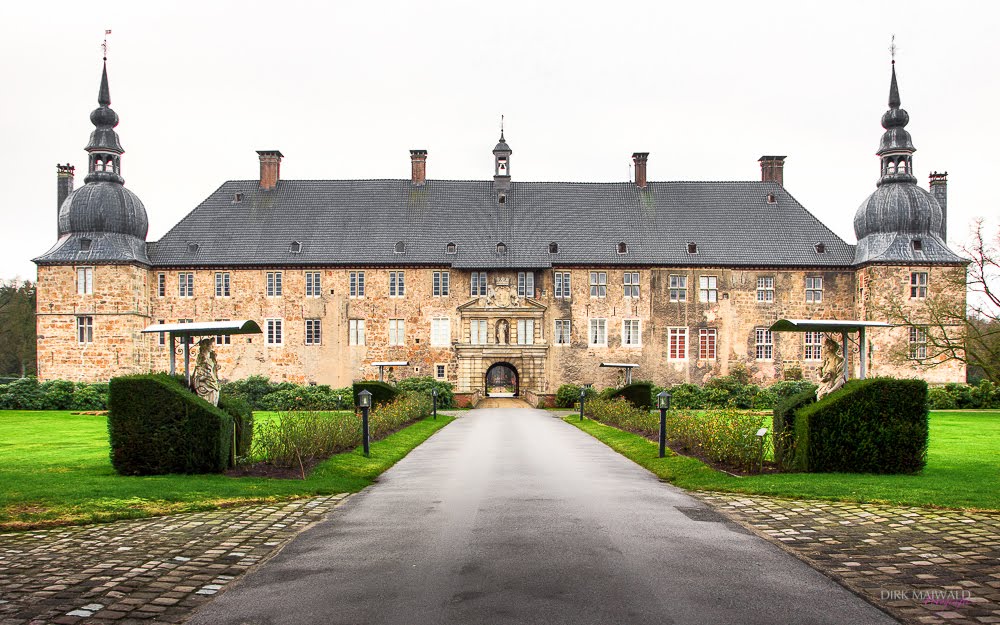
<point>382,393</point>
<point>783,426</point>
<point>242,415</point>
<point>639,394</point>
<point>157,426</point>
<point>425,384</point>
<point>879,425</point>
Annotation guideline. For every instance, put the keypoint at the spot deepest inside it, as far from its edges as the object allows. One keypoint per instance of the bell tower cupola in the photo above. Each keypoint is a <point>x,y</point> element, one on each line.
<point>501,164</point>
<point>896,149</point>
<point>104,149</point>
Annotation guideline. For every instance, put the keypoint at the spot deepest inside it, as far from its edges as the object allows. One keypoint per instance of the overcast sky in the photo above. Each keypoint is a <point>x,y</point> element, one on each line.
<point>345,90</point>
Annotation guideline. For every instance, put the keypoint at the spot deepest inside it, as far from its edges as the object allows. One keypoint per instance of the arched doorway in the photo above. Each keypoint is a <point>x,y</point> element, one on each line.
<point>502,380</point>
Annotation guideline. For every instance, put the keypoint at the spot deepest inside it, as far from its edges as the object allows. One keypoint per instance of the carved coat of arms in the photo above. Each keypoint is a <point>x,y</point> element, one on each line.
<point>502,295</point>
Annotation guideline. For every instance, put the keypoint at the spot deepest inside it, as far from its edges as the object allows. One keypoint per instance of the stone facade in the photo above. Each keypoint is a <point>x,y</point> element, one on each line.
<point>125,299</point>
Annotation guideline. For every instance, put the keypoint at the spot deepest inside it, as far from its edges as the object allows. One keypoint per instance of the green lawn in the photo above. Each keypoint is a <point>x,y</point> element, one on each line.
<point>54,469</point>
<point>963,468</point>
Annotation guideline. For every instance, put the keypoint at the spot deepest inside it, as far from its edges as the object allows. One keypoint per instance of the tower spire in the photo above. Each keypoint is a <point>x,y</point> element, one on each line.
<point>104,163</point>
<point>896,148</point>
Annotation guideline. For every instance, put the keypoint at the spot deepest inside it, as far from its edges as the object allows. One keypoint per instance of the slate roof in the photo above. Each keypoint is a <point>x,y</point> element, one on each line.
<point>359,223</point>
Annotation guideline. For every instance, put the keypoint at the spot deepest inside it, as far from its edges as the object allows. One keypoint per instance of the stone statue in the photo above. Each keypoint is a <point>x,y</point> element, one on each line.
<point>206,373</point>
<point>832,372</point>
<point>503,332</point>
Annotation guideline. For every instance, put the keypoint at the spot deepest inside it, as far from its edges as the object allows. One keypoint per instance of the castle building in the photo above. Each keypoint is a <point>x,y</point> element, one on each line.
<point>489,282</point>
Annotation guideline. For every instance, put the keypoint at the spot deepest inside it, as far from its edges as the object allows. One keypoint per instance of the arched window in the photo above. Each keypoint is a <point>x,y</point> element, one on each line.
<point>399,248</point>
<point>501,248</point>
<point>891,168</point>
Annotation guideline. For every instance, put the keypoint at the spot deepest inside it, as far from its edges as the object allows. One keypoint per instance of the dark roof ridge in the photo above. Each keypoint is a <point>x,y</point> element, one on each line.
<point>516,182</point>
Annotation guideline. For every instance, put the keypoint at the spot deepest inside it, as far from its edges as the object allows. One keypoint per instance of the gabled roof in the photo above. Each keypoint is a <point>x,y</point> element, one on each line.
<point>360,222</point>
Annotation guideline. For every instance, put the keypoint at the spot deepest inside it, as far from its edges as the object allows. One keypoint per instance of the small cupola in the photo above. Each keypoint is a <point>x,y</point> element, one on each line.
<point>501,165</point>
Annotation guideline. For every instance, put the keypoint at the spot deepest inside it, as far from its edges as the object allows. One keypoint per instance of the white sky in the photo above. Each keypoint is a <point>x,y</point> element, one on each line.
<point>344,90</point>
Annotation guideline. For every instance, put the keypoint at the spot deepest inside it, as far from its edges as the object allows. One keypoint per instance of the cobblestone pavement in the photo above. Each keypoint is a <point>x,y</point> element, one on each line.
<point>919,564</point>
<point>153,570</point>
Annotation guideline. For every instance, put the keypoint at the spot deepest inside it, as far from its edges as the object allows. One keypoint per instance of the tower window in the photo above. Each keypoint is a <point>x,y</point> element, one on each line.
<point>502,166</point>
<point>692,248</point>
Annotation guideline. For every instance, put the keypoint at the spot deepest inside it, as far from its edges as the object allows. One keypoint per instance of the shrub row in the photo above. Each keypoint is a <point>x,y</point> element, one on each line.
<point>262,394</point>
<point>29,394</point>
<point>879,425</point>
<point>297,439</point>
<point>962,396</point>
<point>727,436</point>
<point>157,426</point>
<point>721,392</point>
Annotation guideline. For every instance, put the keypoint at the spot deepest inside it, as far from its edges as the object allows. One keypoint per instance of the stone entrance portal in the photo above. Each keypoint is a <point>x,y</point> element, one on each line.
<point>502,380</point>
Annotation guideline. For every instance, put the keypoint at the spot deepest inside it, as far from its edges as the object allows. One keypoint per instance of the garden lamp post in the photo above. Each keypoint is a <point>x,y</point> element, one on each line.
<point>434,398</point>
<point>364,402</point>
<point>583,396</point>
<point>663,403</point>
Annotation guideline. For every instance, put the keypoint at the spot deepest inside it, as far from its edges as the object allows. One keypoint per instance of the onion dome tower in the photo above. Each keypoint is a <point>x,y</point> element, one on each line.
<point>899,222</point>
<point>102,221</point>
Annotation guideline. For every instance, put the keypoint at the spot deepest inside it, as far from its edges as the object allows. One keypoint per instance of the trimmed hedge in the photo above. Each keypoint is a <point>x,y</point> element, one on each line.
<point>157,426</point>
<point>639,394</point>
<point>783,426</point>
<point>382,393</point>
<point>424,385</point>
<point>242,416</point>
<point>879,425</point>
<point>29,394</point>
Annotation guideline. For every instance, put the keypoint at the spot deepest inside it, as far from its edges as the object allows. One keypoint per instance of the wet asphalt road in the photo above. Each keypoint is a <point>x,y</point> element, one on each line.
<point>512,516</point>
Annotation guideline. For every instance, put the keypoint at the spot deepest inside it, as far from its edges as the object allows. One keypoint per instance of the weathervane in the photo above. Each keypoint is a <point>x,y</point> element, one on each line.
<point>104,46</point>
<point>892,49</point>
<point>501,125</point>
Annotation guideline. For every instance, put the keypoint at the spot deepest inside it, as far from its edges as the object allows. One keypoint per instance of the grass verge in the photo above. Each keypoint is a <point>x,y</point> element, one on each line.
<point>963,462</point>
<point>54,470</point>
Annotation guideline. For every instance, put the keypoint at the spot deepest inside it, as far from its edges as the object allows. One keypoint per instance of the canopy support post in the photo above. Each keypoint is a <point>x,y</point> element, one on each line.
<point>173,356</point>
<point>862,349</point>
<point>187,360</point>
<point>847,356</point>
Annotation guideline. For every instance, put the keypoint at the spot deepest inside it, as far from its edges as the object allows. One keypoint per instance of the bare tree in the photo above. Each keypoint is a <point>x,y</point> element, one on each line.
<point>949,327</point>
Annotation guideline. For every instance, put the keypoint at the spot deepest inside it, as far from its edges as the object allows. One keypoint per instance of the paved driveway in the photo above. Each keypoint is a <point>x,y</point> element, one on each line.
<point>512,516</point>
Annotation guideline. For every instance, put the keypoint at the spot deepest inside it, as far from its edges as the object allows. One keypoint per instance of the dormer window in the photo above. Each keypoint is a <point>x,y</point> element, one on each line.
<point>820,248</point>
<point>400,247</point>
<point>237,197</point>
<point>918,245</point>
<point>192,247</point>
<point>771,199</point>
<point>692,248</point>
<point>553,248</point>
<point>85,244</point>
<point>501,248</point>
<point>502,198</point>
<point>295,247</point>
<point>623,248</point>
<point>451,248</point>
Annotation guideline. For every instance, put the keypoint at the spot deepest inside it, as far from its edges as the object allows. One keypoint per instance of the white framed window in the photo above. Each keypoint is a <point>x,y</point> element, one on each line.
<point>356,280</point>
<point>397,284</point>
<point>440,371</point>
<point>397,332</point>
<point>314,286</point>
<point>525,284</point>
<point>525,331</point>
<point>161,285</point>
<point>765,289</point>
<point>677,342</point>
<point>357,332</point>
<point>678,288</point>
<point>814,289</point>
<point>85,329</point>
<point>598,284</point>
<point>630,283</point>
<point>477,332</point>
<point>631,333</point>
<point>274,284</point>
<point>562,333</point>
<point>765,344</point>
<point>562,285</point>
<point>440,284</point>
<point>84,280</point>
<point>222,284</point>
<point>708,289</point>
<point>598,335</point>
<point>813,346</point>
<point>275,332</point>
<point>918,284</point>
<point>477,281</point>
<point>708,339</point>
<point>162,335</point>
<point>223,339</point>
<point>185,284</point>
<point>918,343</point>
<point>314,333</point>
<point>441,332</point>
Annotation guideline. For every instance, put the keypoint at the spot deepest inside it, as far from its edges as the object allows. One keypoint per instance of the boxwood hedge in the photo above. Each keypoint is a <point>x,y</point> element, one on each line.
<point>157,426</point>
<point>382,393</point>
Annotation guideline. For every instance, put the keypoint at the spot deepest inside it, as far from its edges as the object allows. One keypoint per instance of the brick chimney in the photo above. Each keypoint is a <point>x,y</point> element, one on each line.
<point>939,189</point>
<point>640,158</point>
<point>64,183</point>
<point>418,167</point>
<point>772,169</point>
<point>270,168</point>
